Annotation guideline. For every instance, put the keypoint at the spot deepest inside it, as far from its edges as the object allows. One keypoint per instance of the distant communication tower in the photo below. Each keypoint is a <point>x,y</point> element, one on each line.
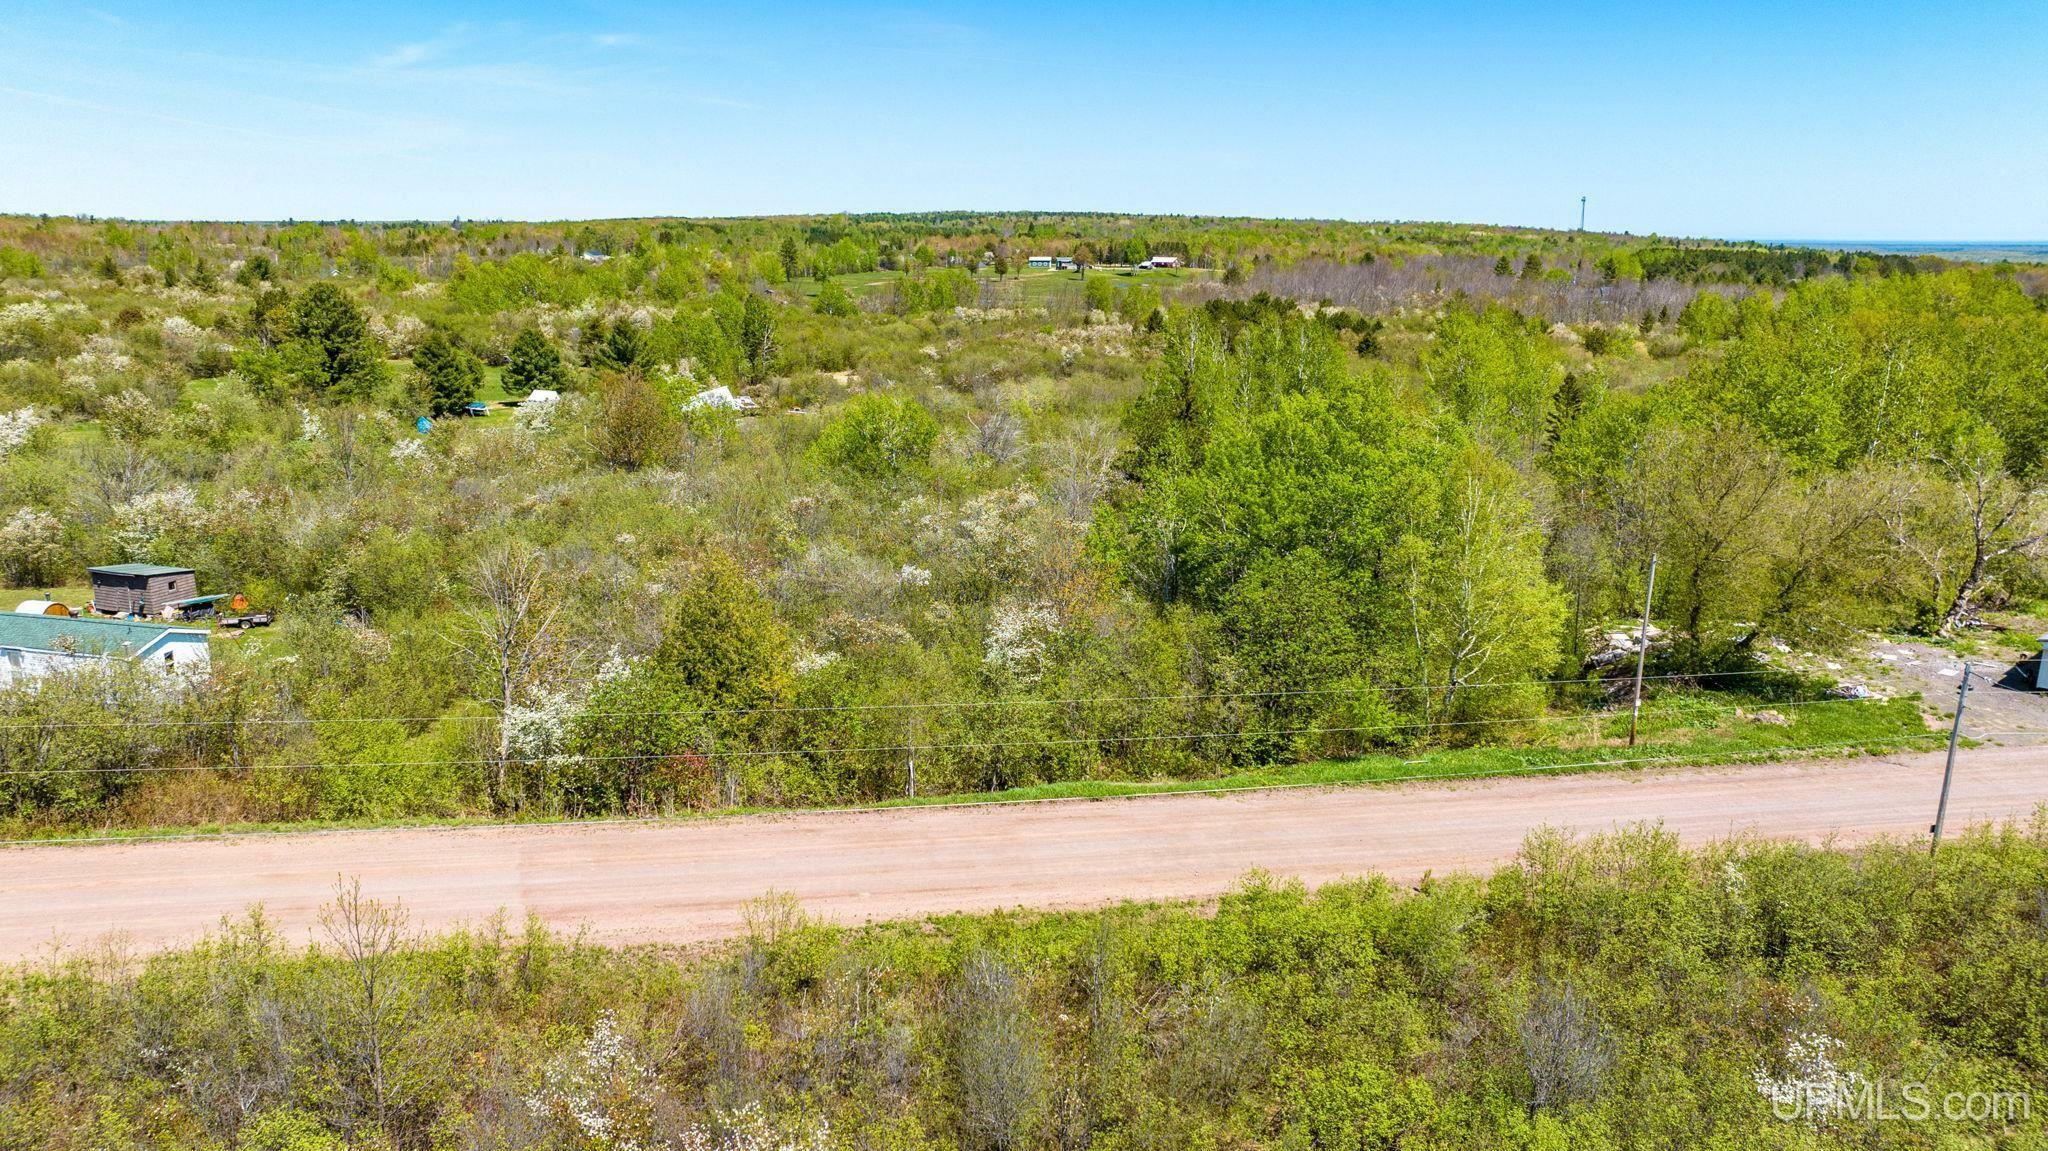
<point>1582,213</point>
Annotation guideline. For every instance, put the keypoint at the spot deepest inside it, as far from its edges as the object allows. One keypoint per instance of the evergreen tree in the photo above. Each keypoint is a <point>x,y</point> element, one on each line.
<point>757,334</point>
<point>534,362</point>
<point>1503,267</point>
<point>615,347</point>
<point>1532,267</point>
<point>329,347</point>
<point>1566,406</point>
<point>445,375</point>
<point>833,300</point>
<point>792,258</point>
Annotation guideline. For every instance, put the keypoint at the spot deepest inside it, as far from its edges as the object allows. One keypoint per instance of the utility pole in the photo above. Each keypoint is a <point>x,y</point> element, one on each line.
<point>916,734</point>
<point>1642,650</point>
<point>1948,773</point>
<point>1582,213</point>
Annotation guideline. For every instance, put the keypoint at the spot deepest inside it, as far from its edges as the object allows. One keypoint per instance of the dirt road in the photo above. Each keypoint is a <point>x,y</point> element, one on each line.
<point>684,882</point>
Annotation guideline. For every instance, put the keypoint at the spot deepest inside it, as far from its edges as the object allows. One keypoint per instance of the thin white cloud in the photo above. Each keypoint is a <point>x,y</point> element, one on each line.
<point>145,114</point>
<point>405,56</point>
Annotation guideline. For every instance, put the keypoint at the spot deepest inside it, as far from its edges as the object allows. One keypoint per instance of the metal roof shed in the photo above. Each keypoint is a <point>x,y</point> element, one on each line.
<point>139,589</point>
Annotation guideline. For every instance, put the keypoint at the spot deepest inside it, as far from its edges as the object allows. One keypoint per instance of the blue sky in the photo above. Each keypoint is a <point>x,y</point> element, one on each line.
<point>1737,118</point>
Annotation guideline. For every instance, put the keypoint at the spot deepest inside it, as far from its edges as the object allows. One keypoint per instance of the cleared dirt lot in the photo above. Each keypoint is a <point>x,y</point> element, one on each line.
<point>684,882</point>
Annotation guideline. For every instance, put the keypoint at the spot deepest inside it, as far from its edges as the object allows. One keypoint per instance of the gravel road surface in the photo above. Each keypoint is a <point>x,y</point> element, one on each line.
<point>685,881</point>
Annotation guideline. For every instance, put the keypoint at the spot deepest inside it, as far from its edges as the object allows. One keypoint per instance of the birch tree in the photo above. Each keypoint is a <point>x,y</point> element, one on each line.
<point>511,636</point>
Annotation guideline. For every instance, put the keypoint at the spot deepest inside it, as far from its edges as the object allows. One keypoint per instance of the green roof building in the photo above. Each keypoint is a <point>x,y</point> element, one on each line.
<point>140,589</point>
<point>32,646</point>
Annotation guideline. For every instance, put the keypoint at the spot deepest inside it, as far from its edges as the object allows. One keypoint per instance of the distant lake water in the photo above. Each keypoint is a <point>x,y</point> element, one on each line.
<point>2021,251</point>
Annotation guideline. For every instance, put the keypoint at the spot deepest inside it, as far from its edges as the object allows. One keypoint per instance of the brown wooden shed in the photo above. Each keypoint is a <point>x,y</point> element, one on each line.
<point>140,589</point>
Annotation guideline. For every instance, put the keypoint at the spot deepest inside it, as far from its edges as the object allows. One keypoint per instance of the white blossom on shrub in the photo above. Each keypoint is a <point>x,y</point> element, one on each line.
<point>399,334</point>
<point>601,1091</point>
<point>1815,1087</point>
<point>748,1129</point>
<point>310,430</point>
<point>615,666</point>
<point>26,327</point>
<point>1017,638</point>
<point>991,533</point>
<point>16,427</point>
<point>181,336</point>
<point>407,450</point>
<point>100,359</point>
<point>131,415</point>
<point>539,733</point>
<point>911,575</point>
<point>31,546</point>
<point>25,317</point>
<point>808,661</point>
<point>535,415</point>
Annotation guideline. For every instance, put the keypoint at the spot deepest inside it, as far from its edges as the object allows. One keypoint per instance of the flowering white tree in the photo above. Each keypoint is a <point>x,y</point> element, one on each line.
<point>509,633</point>
<point>146,520</point>
<point>1017,637</point>
<point>538,732</point>
<point>31,546</point>
<point>400,334</point>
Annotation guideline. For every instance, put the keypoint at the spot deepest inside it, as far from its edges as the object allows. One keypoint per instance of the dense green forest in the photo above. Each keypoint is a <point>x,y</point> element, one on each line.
<point>1619,992</point>
<point>1325,490</point>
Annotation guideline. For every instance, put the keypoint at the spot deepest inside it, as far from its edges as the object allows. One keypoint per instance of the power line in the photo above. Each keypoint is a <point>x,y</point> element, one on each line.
<point>896,748</point>
<point>1438,777</point>
<point>927,705</point>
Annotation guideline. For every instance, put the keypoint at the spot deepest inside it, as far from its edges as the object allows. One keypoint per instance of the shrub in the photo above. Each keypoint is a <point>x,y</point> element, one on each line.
<point>878,437</point>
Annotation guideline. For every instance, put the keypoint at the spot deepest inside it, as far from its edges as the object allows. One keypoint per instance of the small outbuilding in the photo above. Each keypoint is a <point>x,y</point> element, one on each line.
<point>41,607</point>
<point>140,589</point>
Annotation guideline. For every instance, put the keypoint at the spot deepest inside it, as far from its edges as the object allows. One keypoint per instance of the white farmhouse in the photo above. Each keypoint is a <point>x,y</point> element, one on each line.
<point>32,646</point>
